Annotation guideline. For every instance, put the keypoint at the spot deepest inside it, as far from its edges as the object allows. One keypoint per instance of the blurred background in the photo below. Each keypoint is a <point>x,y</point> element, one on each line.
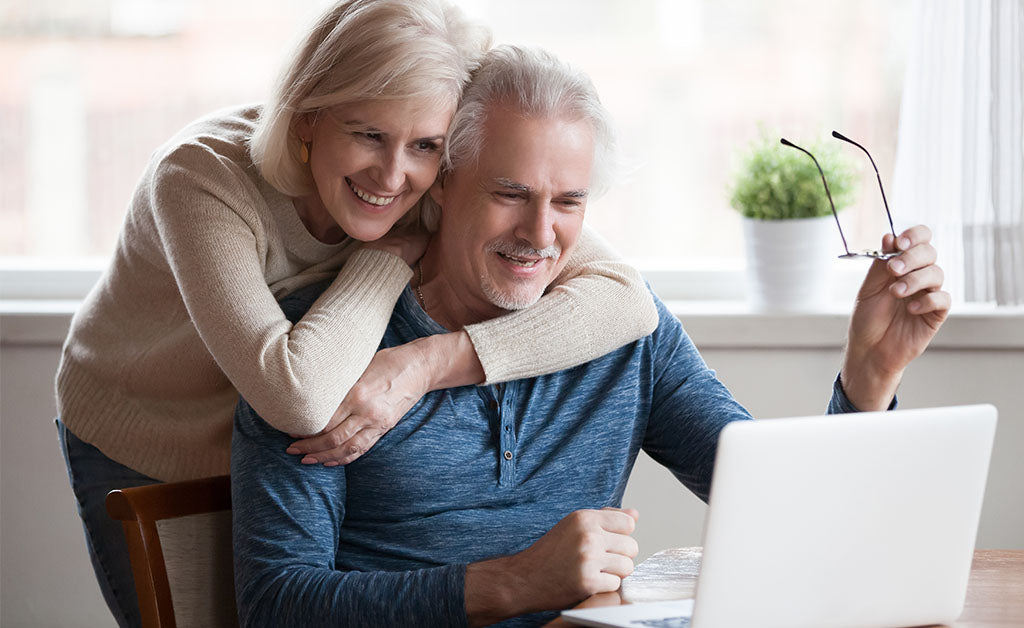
<point>91,87</point>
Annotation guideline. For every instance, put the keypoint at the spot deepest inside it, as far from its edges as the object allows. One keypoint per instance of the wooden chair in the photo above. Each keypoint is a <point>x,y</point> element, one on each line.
<point>179,542</point>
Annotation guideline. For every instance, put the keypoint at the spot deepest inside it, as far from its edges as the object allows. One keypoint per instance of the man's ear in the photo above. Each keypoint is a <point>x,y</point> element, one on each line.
<point>437,191</point>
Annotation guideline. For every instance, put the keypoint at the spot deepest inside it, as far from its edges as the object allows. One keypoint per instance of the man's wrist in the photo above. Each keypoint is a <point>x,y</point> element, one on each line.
<point>867,388</point>
<point>492,591</point>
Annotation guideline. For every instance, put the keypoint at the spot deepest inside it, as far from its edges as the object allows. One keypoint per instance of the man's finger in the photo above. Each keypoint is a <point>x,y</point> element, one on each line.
<point>617,520</point>
<point>927,279</point>
<point>622,545</point>
<point>912,259</point>
<point>618,565</point>
<point>938,301</point>
<point>604,582</point>
<point>918,234</point>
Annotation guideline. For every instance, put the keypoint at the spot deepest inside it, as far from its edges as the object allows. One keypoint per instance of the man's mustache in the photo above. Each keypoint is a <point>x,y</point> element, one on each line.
<point>521,249</point>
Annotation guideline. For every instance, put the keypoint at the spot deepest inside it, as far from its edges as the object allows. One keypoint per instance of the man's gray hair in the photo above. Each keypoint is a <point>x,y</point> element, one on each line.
<point>535,84</point>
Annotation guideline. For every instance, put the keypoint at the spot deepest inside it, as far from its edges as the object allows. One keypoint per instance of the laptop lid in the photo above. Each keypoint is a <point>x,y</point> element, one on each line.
<point>862,520</point>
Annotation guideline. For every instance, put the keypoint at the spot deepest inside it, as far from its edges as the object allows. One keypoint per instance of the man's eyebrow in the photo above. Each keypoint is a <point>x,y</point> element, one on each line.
<point>522,187</point>
<point>513,185</point>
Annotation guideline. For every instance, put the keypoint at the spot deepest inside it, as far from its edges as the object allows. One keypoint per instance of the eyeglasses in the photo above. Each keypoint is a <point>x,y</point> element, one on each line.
<point>849,255</point>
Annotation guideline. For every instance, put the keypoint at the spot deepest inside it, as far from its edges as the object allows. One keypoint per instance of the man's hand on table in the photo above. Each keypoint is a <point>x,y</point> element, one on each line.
<point>587,552</point>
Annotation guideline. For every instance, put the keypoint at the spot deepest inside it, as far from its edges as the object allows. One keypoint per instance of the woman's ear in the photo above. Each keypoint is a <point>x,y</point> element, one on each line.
<point>302,124</point>
<point>437,191</point>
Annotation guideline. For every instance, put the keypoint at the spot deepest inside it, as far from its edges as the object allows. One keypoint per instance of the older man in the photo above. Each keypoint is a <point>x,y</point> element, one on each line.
<point>496,502</point>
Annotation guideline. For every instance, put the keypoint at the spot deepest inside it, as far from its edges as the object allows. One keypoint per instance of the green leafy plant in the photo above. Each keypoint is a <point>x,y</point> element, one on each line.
<point>776,182</point>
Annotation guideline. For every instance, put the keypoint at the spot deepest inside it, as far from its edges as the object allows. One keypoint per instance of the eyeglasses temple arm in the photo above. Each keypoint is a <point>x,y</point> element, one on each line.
<point>786,142</point>
<point>840,136</point>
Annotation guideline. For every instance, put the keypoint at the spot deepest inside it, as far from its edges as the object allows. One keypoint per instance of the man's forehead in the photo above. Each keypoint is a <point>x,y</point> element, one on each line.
<point>524,153</point>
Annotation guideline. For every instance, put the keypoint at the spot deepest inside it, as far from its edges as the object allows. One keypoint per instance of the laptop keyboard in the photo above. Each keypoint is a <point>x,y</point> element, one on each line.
<point>664,622</point>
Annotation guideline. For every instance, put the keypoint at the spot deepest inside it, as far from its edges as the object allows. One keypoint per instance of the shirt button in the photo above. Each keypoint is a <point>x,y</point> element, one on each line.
<point>508,455</point>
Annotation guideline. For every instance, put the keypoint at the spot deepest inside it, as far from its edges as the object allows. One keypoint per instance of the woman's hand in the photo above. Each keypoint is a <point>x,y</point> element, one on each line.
<point>407,244</point>
<point>394,381</point>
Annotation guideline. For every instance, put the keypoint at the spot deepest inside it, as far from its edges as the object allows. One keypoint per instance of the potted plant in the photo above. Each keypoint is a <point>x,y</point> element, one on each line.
<point>788,224</point>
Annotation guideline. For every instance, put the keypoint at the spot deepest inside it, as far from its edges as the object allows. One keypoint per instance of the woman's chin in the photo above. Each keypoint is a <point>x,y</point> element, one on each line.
<point>368,233</point>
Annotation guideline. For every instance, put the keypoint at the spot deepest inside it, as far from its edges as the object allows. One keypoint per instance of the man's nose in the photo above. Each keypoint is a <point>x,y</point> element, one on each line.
<point>537,225</point>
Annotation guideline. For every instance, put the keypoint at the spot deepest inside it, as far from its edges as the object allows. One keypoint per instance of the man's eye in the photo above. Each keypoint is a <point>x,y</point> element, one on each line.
<point>372,136</point>
<point>427,146</point>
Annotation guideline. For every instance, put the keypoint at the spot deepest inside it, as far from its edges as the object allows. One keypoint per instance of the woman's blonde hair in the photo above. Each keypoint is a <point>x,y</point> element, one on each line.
<point>362,50</point>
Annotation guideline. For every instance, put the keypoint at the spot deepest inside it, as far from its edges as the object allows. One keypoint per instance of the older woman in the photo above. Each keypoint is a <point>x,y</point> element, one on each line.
<point>249,204</point>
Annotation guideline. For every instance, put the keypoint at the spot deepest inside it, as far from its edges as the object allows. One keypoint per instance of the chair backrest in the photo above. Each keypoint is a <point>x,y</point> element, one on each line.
<point>179,542</point>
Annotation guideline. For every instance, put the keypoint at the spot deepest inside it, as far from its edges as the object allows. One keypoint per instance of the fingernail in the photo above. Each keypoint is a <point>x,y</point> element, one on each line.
<point>904,243</point>
<point>308,460</point>
<point>330,464</point>
<point>897,266</point>
<point>292,450</point>
<point>900,288</point>
<point>915,306</point>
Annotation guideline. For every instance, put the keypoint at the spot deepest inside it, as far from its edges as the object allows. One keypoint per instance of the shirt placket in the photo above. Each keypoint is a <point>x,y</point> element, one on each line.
<point>504,418</point>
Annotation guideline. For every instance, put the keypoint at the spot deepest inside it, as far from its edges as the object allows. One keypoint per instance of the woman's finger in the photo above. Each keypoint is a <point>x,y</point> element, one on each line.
<point>331,439</point>
<point>352,449</point>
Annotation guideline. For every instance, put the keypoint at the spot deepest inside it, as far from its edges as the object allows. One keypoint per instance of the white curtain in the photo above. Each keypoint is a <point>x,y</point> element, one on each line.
<point>960,157</point>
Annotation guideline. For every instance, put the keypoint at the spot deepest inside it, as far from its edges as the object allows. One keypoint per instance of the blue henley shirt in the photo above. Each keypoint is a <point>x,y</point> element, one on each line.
<point>468,474</point>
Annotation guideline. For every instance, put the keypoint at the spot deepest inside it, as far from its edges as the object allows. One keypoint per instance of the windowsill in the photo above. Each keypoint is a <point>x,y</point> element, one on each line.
<point>720,324</point>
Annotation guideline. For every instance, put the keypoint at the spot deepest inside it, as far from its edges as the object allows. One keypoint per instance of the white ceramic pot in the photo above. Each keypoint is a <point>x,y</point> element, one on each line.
<point>788,263</point>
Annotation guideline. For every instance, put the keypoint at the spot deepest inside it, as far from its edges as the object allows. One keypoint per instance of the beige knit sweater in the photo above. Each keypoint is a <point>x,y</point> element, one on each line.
<point>186,316</point>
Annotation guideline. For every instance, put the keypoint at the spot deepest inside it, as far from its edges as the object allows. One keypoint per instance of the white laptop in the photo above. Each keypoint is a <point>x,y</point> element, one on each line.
<point>831,521</point>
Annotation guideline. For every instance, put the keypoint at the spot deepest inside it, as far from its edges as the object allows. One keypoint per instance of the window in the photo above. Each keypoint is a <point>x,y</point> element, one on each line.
<point>91,88</point>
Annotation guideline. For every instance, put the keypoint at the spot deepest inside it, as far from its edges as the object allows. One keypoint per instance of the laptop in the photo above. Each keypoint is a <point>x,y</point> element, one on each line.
<point>860,520</point>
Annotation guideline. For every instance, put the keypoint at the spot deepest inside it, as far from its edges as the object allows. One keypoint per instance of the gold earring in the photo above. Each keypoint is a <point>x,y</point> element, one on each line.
<point>304,152</point>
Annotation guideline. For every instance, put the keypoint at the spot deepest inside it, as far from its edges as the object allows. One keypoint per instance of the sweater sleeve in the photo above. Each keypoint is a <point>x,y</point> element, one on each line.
<point>598,304</point>
<point>287,522</point>
<point>214,241</point>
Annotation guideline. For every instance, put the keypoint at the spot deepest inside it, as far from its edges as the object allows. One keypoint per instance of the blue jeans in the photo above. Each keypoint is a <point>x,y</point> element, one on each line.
<point>92,476</point>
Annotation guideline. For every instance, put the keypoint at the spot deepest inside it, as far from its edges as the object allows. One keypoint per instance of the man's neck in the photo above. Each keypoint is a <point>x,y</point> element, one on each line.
<point>453,307</point>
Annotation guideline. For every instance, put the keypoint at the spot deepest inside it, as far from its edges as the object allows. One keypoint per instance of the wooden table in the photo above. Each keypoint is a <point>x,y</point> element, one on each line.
<point>995,591</point>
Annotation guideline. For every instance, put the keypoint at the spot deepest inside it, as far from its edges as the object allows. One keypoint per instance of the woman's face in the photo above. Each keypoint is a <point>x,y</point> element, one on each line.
<point>371,162</point>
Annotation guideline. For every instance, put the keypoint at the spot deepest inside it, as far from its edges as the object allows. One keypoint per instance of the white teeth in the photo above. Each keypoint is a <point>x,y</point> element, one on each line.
<point>370,198</point>
<point>520,262</point>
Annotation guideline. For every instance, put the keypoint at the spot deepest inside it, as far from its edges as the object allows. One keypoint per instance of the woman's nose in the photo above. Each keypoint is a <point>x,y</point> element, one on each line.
<point>391,172</point>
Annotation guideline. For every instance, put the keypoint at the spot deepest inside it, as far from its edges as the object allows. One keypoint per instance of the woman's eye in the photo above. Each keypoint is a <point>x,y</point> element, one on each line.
<point>369,135</point>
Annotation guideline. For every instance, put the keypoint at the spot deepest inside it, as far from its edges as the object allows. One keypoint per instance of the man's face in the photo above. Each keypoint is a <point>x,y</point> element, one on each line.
<point>510,221</point>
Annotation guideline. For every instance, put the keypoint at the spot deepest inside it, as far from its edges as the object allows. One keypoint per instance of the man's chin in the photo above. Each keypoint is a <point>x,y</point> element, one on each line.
<point>511,300</point>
